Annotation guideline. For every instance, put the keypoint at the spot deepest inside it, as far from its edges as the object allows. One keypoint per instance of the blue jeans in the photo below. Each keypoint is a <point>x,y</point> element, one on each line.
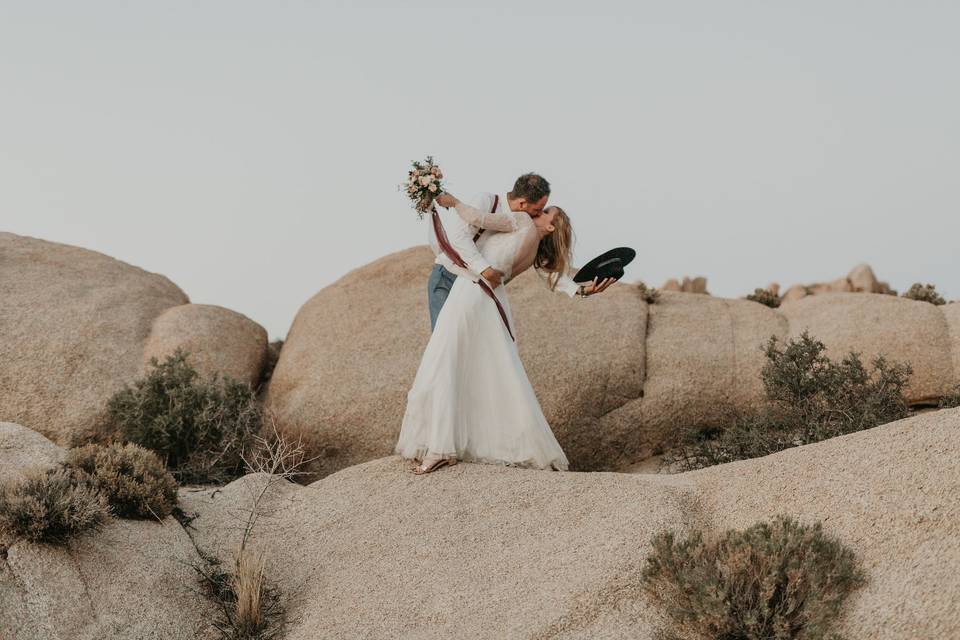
<point>438,288</point>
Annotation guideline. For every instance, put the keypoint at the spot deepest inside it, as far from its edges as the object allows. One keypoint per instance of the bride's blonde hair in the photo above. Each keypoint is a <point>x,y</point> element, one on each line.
<point>556,250</point>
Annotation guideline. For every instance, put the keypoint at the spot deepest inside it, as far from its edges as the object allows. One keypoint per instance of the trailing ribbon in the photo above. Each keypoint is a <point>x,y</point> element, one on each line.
<point>451,253</point>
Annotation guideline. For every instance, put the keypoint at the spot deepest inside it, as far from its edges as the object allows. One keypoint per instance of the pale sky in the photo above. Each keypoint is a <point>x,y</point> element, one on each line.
<point>250,151</point>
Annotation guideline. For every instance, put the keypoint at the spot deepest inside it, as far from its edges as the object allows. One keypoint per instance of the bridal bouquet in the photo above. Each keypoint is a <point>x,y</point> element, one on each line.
<point>423,184</point>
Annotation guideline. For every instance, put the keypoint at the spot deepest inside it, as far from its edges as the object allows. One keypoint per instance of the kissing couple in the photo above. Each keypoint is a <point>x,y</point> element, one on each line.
<point>471,399</point>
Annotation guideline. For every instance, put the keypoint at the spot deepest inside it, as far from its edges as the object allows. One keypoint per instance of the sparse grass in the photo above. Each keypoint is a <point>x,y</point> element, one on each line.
<point>201,428</point>
<point>249,605</point>
<point>765,297</point>
<point>781,580</point>
<point>809,398</point>
<point>650,295</point>
<point>951,400</point>
<point>51,506</point>
<point>133,479</point>
<point>924,293</point>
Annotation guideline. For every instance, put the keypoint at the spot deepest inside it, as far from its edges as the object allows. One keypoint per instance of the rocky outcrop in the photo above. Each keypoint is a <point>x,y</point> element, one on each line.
<point>480,550</point>
<point>353,351</point>
<point>74,323</point>
<point>903,330</point>
<point>219,341</point>
<point>131,580</point>
<point>616,377</point>
<point>689,285</point>
<point>76,326</point>
<point>861,279</point>
<point>486,551</point>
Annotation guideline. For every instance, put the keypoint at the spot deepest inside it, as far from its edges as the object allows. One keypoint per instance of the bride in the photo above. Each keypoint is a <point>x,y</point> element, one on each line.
<point>471,399</point>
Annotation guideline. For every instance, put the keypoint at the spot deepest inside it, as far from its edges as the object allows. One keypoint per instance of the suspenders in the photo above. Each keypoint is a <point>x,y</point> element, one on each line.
<point>493,209</point>
<point>451,253</point>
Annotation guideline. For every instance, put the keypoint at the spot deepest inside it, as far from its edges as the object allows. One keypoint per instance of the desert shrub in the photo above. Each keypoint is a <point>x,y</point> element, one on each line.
<point>782,580</point>
<point>765,297</point>
<point>51,506</point>
<point>951,400</point>
<point>133,479</point>
<point>650,295</point>
<point>809,398</point>
<point>201,428</point>
<point>924,293</point>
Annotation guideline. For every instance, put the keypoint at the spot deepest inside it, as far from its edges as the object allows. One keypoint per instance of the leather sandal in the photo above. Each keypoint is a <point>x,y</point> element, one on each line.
<point>420,469</point>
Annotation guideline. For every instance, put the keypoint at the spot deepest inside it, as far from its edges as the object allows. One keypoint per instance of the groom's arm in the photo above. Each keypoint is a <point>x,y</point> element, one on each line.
<point>461,238</point>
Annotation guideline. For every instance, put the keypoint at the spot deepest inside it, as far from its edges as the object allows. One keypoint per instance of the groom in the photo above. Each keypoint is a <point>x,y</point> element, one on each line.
<point>529,194</point>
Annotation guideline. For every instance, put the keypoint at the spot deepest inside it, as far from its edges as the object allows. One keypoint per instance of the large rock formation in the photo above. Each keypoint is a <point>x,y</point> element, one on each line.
<point>73,324</point>
<point>616,377</point>
<point>901,329</point>
<point>131,580</point>
<point>477,551</point>
<point>353,350</point>
<point>218,340</point>
<point>76,326</point>
<point>486,551</point>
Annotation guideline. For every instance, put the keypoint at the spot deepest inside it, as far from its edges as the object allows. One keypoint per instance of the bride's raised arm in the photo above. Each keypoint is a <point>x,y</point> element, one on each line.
<point>479,217</point>
<point>565,283</point>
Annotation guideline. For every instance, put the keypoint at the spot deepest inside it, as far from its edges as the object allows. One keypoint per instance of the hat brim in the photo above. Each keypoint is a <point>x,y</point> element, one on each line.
<point>607,265</point>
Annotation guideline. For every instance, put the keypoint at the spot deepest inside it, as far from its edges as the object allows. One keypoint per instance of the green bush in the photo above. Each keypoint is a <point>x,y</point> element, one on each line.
<point>133,479</point>
<point>201,428</point>
<point>51,506</point>
<point>650,295</point>
<point>765,297</point>
<point>809,398</point>
<point>782,580</point>
<point>924,293</point>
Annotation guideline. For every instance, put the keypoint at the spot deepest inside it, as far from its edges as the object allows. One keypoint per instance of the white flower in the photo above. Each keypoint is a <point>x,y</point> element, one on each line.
<point>433,188</point>
<point>424,180</point>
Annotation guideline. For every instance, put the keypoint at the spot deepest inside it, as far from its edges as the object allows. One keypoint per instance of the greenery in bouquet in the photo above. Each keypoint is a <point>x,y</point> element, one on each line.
<point>423,184</point>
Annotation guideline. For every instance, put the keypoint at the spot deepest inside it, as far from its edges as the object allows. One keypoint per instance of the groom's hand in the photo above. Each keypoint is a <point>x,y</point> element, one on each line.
<point>492,276</point>
<point>446,200</point>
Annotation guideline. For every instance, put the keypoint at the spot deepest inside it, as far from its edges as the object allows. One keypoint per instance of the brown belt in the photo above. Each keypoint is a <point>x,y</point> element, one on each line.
<point>451,253</point>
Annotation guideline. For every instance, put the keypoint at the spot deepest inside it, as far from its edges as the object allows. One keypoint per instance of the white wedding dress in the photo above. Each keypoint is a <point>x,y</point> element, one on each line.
<point>471,398</point>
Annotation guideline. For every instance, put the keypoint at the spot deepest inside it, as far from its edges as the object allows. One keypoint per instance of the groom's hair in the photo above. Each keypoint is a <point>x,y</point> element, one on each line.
<point>531,187</point>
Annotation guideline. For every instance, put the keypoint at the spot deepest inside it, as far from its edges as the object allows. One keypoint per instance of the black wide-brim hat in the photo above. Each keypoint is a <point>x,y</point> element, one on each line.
<point>606,265</point>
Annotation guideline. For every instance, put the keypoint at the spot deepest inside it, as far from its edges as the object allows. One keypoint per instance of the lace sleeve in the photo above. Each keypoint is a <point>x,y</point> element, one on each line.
<point>565,283</point>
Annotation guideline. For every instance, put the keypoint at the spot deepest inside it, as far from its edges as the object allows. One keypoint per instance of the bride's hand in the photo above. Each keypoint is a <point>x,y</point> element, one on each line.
<point>594,287</point>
